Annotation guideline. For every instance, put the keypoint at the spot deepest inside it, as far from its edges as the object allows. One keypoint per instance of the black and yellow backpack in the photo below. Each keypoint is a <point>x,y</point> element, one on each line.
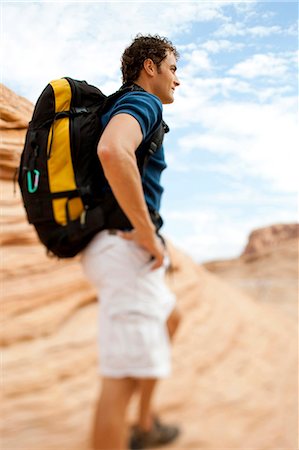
<point>60,175</point>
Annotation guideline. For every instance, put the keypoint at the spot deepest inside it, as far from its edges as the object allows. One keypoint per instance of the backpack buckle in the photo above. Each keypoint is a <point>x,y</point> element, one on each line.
<point>78,110</point>
<point>153,148</point>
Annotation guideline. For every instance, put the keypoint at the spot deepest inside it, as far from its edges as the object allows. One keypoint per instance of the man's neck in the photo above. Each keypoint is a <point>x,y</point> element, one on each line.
<point>144,84</point>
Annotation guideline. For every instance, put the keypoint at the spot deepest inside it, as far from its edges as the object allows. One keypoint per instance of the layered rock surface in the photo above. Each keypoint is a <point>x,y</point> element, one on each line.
<point>234,360</point>
<point>15,114</point>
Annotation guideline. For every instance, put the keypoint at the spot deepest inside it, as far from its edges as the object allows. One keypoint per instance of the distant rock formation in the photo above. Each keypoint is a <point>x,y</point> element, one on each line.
<point>265,238</point>
<point>234,382</point>
<point>269,276</point>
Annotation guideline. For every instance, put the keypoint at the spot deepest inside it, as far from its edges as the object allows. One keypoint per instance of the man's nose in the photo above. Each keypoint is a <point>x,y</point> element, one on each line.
<point>177,81</point>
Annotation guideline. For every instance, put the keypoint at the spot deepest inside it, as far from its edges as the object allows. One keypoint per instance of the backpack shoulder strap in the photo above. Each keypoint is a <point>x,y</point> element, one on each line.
<point>152,144</point>
<point>156,139</point>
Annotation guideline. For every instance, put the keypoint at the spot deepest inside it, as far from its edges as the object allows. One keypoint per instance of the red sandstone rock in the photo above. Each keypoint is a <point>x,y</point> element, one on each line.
<point>15,113</point>
<point>267,237</point>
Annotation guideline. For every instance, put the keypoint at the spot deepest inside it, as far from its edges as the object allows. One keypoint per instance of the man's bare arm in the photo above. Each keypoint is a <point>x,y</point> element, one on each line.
<point>116,150</point>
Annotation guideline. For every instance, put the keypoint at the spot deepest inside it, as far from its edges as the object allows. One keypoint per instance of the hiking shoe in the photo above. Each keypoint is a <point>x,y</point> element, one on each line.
<point>159,434</point>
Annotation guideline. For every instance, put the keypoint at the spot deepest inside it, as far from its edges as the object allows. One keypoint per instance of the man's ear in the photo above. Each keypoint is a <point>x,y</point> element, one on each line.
<point>149,66</point>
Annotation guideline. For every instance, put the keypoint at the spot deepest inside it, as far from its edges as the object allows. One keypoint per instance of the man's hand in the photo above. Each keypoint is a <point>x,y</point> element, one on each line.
<point>149,242</point>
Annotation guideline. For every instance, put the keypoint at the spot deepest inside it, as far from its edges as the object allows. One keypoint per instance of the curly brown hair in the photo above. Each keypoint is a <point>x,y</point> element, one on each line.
<point>144,47</point>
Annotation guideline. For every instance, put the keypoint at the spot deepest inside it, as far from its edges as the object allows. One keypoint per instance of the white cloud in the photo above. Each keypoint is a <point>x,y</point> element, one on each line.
<point>186,47</point>
<point>198,62</point>
<point>230,29</point>
<point>223,86</point>
<point>240,29</point>
<point>240,193</point>
<point>262,31</point>
<point>257,132</point>
<point>261,65</point>
<point>268,94</point>
<point>216,46</point>
<point>204,239</point>
<point>292,30</point>
<point>246,9</point>
<point>231,168</point>
<point>215,233</point>
<point>264,137</point>
<point>43,41</point>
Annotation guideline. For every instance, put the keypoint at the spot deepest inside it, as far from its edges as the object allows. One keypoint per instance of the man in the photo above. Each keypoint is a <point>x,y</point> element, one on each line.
<point>137,314</point>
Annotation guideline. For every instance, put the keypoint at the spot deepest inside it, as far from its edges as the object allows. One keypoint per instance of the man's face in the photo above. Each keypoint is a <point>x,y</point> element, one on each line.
<point>165,80</point>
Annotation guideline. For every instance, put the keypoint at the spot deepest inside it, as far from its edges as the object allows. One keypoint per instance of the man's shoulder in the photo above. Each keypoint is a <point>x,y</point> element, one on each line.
<point>141,98</point>
<point>146,108</point>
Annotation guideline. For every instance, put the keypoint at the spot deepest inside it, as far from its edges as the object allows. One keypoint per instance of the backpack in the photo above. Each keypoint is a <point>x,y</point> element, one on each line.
<point>62,182</point>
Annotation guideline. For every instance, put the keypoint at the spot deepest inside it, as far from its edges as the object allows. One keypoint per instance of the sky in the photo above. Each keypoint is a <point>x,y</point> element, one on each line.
<point>232,152</point>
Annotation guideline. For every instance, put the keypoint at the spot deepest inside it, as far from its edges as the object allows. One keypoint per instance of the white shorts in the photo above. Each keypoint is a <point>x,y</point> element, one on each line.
<point>135,303</point>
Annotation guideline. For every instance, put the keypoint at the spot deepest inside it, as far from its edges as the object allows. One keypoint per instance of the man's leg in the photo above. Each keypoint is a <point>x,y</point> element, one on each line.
<point>146,390</point>
<point>109,431</point>
<point>150,431</point>
<point>173,322</point>
<point>147,386</point>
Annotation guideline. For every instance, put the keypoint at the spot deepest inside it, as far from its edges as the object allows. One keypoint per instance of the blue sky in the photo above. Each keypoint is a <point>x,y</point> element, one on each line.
<point>233,146</point>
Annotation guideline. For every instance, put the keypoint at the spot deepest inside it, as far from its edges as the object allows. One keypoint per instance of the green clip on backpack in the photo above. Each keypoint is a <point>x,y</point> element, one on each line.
<point>60,175</point>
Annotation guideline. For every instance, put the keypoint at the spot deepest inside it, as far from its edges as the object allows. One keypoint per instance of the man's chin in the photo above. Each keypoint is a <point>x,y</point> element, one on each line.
<point>168,100</point>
